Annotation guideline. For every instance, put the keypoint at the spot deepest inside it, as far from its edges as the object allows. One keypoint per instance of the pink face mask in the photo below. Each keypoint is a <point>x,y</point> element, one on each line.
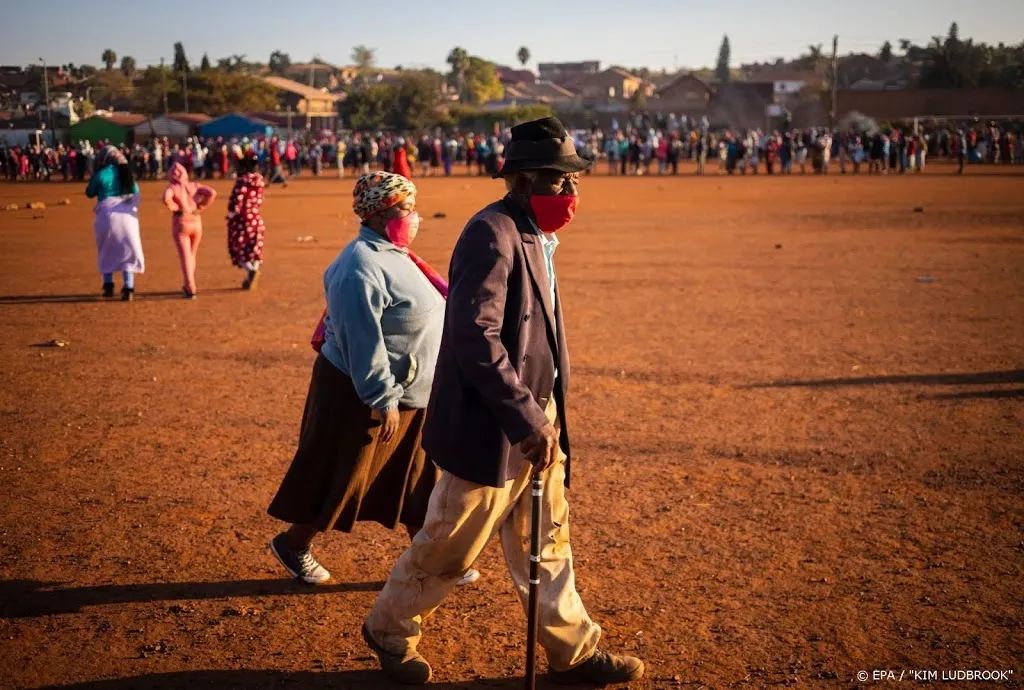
<point>402,231</point>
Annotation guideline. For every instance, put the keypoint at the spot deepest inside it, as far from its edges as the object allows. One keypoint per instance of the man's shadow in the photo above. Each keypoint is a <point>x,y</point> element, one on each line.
<point>268,680</point>
<point>29,598</point>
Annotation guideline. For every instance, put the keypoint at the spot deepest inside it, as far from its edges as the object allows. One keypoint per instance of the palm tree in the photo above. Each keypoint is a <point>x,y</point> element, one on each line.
<point>109,58</point>
<point>363,57</point>
<point>458,58</point>
<point>128,65</point>
<point>523,55</point>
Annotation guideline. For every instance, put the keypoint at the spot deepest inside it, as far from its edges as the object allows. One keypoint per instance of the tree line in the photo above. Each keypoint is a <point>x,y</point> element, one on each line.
<point>406,98</point>
<point>944,63</point>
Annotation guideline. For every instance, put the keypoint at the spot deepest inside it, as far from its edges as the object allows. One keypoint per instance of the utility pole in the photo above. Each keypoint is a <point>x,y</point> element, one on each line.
<point>835,82</point>
<point>163,83</point>
<point>184,87</point>
<point>46,95</point>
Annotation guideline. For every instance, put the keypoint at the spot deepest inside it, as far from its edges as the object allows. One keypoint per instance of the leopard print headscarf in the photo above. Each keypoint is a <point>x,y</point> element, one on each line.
<point>379,191</point>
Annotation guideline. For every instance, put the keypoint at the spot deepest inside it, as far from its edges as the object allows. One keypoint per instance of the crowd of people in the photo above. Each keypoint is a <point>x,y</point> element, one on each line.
<point>659,147</point>
<point>276,158</point>
<point>646,151</point>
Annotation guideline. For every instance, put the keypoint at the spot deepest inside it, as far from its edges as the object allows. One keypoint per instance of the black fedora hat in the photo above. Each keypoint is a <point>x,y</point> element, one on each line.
<point>541,145</point>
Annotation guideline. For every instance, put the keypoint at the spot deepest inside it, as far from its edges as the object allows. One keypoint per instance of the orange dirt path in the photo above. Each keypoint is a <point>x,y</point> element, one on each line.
<point>795,461</point>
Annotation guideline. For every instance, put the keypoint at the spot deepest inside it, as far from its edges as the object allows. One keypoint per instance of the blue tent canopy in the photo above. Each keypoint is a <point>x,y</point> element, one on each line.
<point>233,125</point>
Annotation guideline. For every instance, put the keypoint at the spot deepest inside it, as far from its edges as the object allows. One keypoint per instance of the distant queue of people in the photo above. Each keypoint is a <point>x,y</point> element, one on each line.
<point>638,148</point>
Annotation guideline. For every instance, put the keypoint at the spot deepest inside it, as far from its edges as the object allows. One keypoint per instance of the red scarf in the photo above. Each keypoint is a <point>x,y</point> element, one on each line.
<point>435,278</point>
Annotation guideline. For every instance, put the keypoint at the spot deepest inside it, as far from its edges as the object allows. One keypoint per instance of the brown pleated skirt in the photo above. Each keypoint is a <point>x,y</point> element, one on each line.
<point>342,474</point>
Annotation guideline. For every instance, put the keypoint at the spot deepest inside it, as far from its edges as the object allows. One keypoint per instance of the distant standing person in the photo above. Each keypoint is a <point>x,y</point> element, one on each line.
<point>245,224</point>
<point>186,200</point>
<point>366,154</point>
<point>118,242</point>
<point>340,152</point>
<point>277,169</point>
<point>401,165</point>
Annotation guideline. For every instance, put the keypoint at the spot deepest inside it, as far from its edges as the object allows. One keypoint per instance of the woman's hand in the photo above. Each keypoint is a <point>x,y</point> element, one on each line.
<point>388,425</point>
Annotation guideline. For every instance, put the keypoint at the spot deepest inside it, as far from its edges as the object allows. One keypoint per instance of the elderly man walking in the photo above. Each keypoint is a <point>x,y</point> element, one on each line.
<point>496,416</point>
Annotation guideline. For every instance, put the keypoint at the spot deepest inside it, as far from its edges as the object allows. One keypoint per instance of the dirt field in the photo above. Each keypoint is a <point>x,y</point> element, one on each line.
<point>796,459</point>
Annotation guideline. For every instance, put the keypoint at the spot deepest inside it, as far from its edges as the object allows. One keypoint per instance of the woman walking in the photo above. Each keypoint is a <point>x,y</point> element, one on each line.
<point>359,456</point>
<point>245,224</point>
<point>186,200</point>
<point>118,242</point>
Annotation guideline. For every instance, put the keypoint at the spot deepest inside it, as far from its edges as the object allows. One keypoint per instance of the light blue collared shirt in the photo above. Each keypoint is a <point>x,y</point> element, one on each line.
<point>549,242</point>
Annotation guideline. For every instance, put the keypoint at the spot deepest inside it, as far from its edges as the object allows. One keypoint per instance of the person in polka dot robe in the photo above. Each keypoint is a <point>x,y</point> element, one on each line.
<point>245,225</point>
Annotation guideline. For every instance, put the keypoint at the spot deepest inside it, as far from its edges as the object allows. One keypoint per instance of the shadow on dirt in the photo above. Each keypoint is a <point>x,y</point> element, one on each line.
<point>29,598</point>
<point>92,297</point>
<point>265,680</point>
<point>981,395</point>
<point>976,379</point>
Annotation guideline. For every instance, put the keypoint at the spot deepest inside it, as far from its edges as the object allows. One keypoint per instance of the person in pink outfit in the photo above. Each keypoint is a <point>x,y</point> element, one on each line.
<point>186,200</point>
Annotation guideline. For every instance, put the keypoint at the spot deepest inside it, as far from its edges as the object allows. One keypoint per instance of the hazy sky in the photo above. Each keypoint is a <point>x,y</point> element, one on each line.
<point>653,33</point>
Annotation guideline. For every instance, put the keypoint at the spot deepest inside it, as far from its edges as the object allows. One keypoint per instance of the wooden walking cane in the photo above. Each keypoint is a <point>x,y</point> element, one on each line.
<point>534,602</point>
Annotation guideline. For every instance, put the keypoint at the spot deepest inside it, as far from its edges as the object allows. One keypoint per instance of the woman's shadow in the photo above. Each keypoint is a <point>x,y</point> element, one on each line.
<point>31,599</point>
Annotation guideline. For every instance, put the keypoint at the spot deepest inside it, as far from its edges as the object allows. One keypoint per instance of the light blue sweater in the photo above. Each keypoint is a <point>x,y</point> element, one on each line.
<point>384,322</point>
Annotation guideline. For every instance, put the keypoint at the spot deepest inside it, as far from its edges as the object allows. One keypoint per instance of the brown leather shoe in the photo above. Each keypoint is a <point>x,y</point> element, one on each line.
<point>600,669</point>
<point>409,668</point>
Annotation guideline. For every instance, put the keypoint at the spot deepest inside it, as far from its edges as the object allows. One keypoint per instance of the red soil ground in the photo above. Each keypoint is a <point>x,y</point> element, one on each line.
<point>796,461</point>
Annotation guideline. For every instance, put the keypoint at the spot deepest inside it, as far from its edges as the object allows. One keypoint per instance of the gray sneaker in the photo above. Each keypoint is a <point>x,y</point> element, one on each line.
<point>300,564</point>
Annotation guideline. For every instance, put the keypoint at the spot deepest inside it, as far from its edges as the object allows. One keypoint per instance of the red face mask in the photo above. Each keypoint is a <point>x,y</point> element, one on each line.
<point>553,212</point>
<point>402,231</point>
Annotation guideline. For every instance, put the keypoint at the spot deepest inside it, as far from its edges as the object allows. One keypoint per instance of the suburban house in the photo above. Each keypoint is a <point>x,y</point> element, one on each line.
<point>566,73</point>
<point>686,95</point>
<point>509,76</point>
<point>613,83</point>
<point>322,76</point>
<point>786,82</point>
<point>24,87</point>
<point>540,92</point>
<point>662,79</point>
<point>741,105</point>
<point>317,107</point>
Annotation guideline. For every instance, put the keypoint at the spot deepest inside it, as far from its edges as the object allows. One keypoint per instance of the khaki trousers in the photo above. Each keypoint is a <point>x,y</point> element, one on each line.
<point>461,519</point>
